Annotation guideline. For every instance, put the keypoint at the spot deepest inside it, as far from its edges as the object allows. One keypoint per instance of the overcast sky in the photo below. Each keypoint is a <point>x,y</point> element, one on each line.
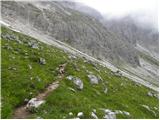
<point>146,10</point>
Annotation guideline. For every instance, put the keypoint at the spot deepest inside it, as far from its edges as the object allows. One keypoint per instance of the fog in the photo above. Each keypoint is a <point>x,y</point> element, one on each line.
<point>145,11</point>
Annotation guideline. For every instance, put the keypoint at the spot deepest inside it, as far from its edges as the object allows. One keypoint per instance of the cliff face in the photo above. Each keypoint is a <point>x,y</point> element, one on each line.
<point>120,42</point>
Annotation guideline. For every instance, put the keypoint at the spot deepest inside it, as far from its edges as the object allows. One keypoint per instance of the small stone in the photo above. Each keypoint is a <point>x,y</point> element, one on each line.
<point>150,94</point>
<point>110,115</point>
<point>26,54</point>
<point>80,114</point>
<point>70,114</point>
<point>42,61</point>
<point>106,90</point>
<point>93,79</point>
<point>78,83</point>
<point>38,79</point>
<point>94,110</point>
<point>72,57</point>
<point>126,113</point>
<point>26,100</point>
<point>107,111</point>
<point>70,77</point>
<point>33,45</point>
<point>147,107</point>
<point>12,68</point>
<point>30,67</point>
<point>93,115</point>
<point>118,112</point>
<point>39,118</point>
<point>34,103</point>
<point>155,108</point>
<point>73,90</point>
<point>117,73</point>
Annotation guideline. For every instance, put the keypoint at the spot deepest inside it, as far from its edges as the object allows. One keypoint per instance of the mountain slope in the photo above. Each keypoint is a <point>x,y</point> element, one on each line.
<point>79,30</point>
<point>145,42</point>
<point>54,23</point>
<point>28,66</point>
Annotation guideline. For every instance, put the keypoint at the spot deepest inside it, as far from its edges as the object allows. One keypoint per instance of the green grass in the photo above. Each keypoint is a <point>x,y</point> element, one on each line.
<point>17,85</point>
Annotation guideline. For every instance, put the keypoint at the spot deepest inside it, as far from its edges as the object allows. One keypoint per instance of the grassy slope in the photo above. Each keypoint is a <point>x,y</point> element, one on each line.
<point>17,85</point>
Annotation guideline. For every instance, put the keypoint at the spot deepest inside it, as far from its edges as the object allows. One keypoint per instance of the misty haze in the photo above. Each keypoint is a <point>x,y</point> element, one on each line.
<point>79,59</point>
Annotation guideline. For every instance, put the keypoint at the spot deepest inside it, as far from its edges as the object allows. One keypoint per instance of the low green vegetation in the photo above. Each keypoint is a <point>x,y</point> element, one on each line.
<point>23,77</point>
